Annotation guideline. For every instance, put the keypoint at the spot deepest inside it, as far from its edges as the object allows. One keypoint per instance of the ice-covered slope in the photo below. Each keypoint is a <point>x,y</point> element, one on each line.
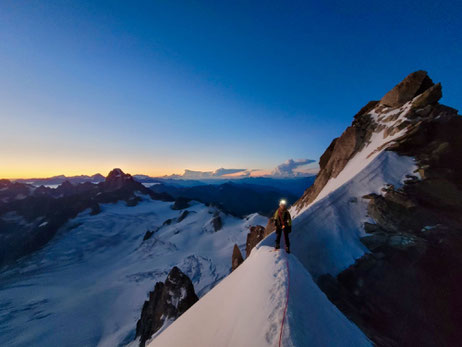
<point>87,286</point>
<point>247,309</point>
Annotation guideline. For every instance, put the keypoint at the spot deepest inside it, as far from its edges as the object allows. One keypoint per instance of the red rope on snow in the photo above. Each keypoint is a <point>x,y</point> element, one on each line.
<point>287,302</point>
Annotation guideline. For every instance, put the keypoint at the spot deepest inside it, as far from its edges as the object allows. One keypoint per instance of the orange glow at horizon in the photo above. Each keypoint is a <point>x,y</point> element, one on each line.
<point>35,169</point>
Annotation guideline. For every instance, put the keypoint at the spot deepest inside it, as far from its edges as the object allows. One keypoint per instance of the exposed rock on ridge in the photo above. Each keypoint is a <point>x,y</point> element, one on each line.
<point>412,99</point>
<point>256,234</point>
<point>166,302</point>
<point>414,84</point>
<point>406,291</point>
<point>237,258</point>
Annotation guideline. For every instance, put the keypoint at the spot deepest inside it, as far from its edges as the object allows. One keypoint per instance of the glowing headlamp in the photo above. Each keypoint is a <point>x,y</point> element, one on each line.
<point>282,202</point>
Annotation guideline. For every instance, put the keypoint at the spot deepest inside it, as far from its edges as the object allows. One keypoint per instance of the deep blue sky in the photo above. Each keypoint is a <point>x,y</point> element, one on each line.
<point>158,86</point>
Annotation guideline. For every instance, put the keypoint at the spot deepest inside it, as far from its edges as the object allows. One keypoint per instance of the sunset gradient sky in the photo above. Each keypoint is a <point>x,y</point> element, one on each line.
<point>155,87</point>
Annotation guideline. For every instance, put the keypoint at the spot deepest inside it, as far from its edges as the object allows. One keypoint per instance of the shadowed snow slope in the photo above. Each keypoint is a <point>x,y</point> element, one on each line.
<point>247,309</point>
<point>326,235</point>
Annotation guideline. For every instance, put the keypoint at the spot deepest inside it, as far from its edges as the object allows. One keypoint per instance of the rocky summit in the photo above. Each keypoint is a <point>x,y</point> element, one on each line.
<point>394,118</point>
<point>414,84</point>
<point>167,302</point>
<point>116,179</point>
<point>405,291</point>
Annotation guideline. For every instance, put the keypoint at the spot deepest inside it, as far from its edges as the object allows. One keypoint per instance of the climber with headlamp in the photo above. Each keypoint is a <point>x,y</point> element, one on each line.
<point>283,223</point>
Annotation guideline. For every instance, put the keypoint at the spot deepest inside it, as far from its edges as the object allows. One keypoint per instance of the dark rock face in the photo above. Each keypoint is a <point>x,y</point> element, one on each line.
<point>430,97</point>
<point>339,152</point>
<point>236,259</point>
<point>256,234</point>
<point>217,223</point>
<point>182,216</point>
<point>180,203</point>
<point>406,291</point>
<point>116,179</point>
<point>148,235</point>
<point>167,301</point>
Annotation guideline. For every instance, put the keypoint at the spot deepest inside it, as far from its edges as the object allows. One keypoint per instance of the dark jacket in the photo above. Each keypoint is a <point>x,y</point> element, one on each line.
<point>282,218</point>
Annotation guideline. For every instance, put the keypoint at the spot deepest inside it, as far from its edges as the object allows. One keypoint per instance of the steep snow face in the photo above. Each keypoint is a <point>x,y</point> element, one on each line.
<point>387,122</point>
<point>87,286</point>
<point>326,232</point>
<point>326,235</point>
<point>247,309</point>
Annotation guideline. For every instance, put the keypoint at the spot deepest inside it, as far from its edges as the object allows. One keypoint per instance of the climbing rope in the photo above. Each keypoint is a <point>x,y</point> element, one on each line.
<point>287,302</point>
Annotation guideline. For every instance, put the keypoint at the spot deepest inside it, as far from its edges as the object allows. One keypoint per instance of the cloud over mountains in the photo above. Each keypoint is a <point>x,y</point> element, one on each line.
<point>290,168</point>
<point>219,173</point>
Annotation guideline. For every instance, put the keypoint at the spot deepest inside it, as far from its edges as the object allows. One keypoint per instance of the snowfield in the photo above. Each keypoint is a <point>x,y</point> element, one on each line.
<point>247,308</point>
<point>87,286</point>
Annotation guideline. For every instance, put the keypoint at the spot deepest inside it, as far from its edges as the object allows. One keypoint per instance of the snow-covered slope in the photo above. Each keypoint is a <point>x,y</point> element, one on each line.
<point>248,307</point>
<point>326,233</point>
<point>327,230</point>
<point>87,286</point>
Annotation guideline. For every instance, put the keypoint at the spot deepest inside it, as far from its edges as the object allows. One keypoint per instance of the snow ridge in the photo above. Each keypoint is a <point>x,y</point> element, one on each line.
<point>247,308</point>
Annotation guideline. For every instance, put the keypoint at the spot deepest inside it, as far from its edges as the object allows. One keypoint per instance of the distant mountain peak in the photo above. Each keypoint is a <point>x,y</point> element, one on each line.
<point>116,173</point>
<point>117,178</point>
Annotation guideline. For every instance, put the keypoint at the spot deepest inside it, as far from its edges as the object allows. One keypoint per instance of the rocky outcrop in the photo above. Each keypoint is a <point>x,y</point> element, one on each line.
<point>255,235</point>
<point>405,292</point>
<point>148,235</point>
<point>167,302</point>
<point>237,258</point>
<point>339,152</point>
<point>414,84</point>
<point>430,97</point>
<point>217,223</point>
<point>180,203</point>
<point>182,216</point>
